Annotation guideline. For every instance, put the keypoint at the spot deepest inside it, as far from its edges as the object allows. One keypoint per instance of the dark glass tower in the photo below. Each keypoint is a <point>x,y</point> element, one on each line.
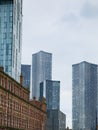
<point>41,70</point>
<point>26,73</point>
<point>10,36</point>
<point>84,96</point>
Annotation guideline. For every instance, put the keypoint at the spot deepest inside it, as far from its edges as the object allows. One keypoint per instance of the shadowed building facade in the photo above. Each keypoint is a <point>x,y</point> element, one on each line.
<point>56,120</point>
<point>84,96</point>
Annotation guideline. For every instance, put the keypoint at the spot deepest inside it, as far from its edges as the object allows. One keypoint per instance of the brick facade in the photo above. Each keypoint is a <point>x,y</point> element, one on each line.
<point>16,111</point>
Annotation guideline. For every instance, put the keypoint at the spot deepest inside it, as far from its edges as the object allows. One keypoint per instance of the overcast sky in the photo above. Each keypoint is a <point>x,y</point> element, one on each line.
<point>66,28</point>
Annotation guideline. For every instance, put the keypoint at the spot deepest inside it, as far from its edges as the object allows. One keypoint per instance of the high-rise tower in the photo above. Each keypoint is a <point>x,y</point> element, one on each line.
<point>84,96</point>
<point>50,90</point>
<point>56,120</point>
<point>26,73</point>
<point>11,36</point>
<point>41,70</point>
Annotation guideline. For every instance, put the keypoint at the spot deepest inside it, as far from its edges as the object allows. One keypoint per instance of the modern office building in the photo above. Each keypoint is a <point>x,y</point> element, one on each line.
<point>56,120</point>
<point>84,96</point>
<point>50,90</point>
<point>41,70</point>
<point>11,37</point>
<point>26,73</point>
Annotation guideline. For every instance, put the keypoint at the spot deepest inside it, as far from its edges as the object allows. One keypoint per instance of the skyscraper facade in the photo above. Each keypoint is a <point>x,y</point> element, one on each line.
<point>41,70</point>
<point>11,36</point>
<point>84,96</point>
<point>56,120</point>
<point>26,73</point>
<point>50,90</point>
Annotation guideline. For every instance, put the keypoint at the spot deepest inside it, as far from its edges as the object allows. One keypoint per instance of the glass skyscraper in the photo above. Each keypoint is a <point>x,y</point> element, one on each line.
<point>50,90</point>
<point>26,73</point>
<point>84,96</point>
<point>41,70</point>
<point>11,36</point>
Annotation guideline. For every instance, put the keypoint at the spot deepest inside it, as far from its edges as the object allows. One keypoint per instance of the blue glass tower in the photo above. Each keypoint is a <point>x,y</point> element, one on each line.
<point>56,120</point>
<point>41,70</point>
<point>50,90</point>
<point>11,36</point>
<point>26,73</point>
<point>84,96</point>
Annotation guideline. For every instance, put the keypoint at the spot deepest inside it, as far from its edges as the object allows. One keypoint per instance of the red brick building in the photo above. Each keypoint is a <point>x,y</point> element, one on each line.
<point>16,111</point>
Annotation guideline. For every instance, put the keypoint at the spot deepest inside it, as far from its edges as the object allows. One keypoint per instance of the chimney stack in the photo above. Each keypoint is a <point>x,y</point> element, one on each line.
<point>1,69</point>
<point>21,79</point>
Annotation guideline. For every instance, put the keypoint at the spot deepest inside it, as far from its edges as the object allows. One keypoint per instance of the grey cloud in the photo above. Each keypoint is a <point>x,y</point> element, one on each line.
<point>70,17</point>
<point>89,11</point>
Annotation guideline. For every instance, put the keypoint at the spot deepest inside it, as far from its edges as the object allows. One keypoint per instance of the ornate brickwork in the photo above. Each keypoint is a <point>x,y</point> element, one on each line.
<point>16,111</point>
